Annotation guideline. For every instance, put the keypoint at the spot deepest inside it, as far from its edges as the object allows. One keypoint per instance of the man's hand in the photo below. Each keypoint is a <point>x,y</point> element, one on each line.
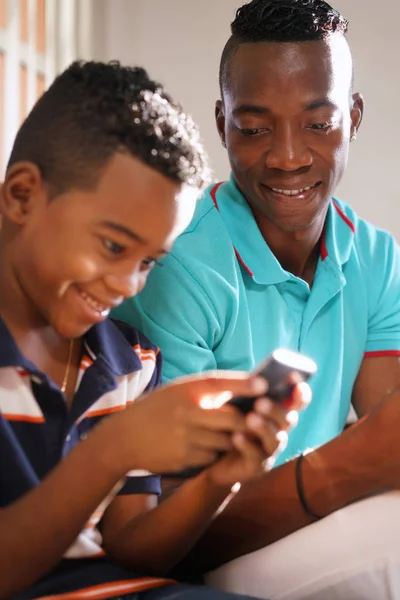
<point>255,449</point>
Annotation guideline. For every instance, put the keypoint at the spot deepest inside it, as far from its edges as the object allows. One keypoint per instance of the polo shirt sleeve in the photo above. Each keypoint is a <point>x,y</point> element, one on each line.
<point>143,482</point>
<point>176,313</point>
<point>383,336</point>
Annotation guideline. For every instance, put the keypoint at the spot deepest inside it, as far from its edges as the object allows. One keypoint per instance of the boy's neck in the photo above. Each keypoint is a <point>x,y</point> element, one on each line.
<point>35,338</point>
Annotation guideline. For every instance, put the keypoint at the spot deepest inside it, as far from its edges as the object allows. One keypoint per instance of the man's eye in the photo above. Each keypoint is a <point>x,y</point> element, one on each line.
<point>247,131</point>
<point>150,262</point>
<point>321,126</point>
<point>113,247</point>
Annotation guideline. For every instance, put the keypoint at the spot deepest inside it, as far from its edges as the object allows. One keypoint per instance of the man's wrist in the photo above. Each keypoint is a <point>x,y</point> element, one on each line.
<point>339,473</point>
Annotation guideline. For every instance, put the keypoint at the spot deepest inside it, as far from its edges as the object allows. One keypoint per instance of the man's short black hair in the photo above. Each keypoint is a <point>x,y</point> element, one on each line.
<point>94,110</point>
<point>280,21</point>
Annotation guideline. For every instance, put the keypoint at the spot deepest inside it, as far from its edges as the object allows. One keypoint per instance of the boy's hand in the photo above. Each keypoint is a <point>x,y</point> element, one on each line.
<point>168,430</point>
<point>255,450</point>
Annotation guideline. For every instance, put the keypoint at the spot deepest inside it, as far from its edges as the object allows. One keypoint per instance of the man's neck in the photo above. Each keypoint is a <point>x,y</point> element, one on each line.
<point>296,251</point>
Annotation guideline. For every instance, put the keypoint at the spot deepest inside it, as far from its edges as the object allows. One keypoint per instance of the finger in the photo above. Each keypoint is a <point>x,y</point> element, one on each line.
<point>268,409</point>
<point>249,450</point>
<point>283,418</point>
<point>269,435</point>
<point>301,396</point>
<point>211,440</point>
<point>216,382</point>
<point>198,457</point>
<point>222,419</point>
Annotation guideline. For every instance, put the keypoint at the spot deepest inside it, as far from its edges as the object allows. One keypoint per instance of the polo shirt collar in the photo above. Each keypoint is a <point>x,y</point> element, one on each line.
<point>104,340</point>
<point>254,254</point>
<point>338,236</point>
<point>107,341</point>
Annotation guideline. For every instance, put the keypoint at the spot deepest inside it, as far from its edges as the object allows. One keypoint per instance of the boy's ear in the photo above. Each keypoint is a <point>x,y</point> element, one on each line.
<point>21,190</point>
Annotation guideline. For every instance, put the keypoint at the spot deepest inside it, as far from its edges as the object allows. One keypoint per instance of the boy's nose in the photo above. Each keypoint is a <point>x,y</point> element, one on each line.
<point>125,286</point>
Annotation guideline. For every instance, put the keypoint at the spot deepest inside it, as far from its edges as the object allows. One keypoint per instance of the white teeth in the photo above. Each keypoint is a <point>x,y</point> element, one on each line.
<point>93,303</point>
<point>293,192</point>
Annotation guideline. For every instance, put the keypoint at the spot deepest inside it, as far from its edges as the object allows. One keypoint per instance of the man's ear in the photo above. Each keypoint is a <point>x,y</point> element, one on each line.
<point>21,190</point>
<point>220,121</point>
<point>357,112</point>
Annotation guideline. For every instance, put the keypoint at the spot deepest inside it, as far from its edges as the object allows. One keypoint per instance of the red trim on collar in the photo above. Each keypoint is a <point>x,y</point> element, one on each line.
<point>213,195</point>
<point>378,353</point>
<point>323,249</point>
<point>344,217</point>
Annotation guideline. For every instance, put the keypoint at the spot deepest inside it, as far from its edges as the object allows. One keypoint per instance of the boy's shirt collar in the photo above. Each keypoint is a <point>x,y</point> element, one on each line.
<point>103,340</point>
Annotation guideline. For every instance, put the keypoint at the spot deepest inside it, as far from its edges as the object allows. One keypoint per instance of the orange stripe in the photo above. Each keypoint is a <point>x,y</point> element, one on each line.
<point>109,590</point>
<point>93,521</point>
<point>86,362</point>
<point>144,358</point>
<point>25,418</point>
<point>141,350</point>
<point>105,411</point>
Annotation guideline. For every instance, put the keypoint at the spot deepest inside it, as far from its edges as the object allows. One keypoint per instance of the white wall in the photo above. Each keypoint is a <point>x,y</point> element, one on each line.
<point>180,42</point>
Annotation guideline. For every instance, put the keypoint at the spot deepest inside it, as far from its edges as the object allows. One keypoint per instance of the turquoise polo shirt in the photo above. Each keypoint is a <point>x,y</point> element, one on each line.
<point>222,301</point>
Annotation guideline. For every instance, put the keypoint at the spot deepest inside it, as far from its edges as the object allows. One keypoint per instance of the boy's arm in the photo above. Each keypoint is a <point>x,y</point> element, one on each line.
<point>36,530</point>
<point>158,539</point>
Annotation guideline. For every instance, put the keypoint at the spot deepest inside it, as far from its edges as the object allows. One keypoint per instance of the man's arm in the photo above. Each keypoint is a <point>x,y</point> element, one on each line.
<point>377,377</point>
<point>340,472</point>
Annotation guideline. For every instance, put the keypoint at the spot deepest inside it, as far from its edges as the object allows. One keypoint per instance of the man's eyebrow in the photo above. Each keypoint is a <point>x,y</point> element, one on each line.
<point>250,109</point>
<point>322,103</point>
<point>256,109</point>
<point>129,233</point>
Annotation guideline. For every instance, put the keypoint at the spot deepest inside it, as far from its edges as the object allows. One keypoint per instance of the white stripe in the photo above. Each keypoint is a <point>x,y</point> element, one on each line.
<point>16,396</point>
<point>88,543</point>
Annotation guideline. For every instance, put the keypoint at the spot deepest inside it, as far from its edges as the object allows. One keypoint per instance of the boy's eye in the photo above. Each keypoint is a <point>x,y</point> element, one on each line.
<point>113,247</point>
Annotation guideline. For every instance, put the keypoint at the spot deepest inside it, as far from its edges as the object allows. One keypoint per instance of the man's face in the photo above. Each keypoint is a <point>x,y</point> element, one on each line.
<point>84,252</point>
<point>287,117</point>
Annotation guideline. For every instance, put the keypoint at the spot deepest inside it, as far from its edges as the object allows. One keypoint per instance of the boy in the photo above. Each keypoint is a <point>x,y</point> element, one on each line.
<point>102,178</point>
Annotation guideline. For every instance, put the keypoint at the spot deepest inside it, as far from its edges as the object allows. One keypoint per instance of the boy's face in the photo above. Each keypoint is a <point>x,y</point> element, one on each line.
<point>81,254</point>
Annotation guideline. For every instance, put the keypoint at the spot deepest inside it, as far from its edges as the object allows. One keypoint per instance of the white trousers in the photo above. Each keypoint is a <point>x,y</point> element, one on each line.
<point>353,554</point>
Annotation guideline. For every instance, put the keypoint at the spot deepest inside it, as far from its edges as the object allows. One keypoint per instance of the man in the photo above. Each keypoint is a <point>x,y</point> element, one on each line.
<point>272,259</point>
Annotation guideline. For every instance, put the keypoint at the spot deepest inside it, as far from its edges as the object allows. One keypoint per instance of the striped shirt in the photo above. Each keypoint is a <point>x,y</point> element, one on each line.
<point>37,430</point>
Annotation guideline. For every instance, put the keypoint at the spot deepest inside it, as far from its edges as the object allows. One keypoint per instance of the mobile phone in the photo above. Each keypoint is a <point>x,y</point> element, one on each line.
<point>278,369</point>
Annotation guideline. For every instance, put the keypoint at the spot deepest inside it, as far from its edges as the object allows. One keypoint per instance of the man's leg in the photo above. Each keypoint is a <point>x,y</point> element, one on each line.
<point>352,554</point>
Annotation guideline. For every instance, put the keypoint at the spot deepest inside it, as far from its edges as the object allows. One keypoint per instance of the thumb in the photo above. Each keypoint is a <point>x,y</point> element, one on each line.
<point>231,383</point>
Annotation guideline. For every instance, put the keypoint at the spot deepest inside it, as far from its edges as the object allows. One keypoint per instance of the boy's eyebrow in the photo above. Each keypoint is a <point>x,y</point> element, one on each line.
<point>129,233</point>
